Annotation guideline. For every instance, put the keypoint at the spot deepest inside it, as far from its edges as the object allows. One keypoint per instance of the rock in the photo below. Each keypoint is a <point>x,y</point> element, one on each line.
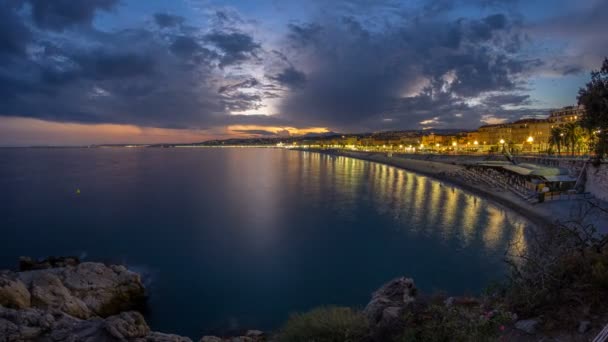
<point>13,292</point>
<point>250,336</point>
<point>160,337</point>
<point>527,325</point>
<point>399,292</point>
<point>584,326</point>
<point>60,299</point>
<point>255,334</point>
<point>48,292</point>
<point>387,307</point>
<point>210,339</point>
<point>43,325</point>
<point>127,325</point>
<point>86,289</point>
<point>29,264</point>
<point>106,290</point>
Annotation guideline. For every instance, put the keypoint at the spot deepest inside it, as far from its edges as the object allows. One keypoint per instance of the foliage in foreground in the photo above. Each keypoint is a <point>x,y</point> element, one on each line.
<point>438,323</point>
<point>563,274</point>
<point>561,277</point>
<point>325,324</point>
<point>595,99</point>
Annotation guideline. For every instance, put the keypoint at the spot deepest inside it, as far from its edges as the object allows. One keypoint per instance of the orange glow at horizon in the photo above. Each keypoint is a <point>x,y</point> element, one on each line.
<point>241,129</point>
<point>20,131</point>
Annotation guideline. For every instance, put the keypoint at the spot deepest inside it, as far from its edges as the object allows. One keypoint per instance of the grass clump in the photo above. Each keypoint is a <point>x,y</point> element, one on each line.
<point>325,324</point>
<point>439,323</point>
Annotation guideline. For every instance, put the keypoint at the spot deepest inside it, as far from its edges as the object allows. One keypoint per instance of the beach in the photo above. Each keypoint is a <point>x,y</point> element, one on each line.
<point>540,214</point>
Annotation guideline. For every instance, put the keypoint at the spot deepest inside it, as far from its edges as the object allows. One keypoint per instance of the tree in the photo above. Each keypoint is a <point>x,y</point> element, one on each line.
<point>555,139</point>
<point>573,134</point>
<point>595,99</point>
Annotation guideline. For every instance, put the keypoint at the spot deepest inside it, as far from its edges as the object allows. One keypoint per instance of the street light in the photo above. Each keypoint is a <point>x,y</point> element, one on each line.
<point>502,141</point>
<point>454,144</point>
<point>530,139</point>
<point>476,142</point>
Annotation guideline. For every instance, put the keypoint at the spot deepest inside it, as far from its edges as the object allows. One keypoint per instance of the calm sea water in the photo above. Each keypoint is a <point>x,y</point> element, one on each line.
<point>239,238</point>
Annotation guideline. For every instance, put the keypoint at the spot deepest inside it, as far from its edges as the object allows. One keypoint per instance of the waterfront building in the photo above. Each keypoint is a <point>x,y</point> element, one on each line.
<point>567,114</point>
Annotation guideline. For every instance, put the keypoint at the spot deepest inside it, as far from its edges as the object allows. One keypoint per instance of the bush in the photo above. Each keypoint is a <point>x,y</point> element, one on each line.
<point>562,275</point>
<point>439,323</point>
<point>326,324</point>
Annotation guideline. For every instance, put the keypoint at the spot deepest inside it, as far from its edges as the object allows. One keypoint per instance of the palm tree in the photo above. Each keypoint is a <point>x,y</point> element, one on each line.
<point>556,139</point>
<point>573,134</point>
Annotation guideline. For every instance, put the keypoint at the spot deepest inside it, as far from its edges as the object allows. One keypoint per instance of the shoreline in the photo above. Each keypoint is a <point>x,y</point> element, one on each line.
<point>540,217</point>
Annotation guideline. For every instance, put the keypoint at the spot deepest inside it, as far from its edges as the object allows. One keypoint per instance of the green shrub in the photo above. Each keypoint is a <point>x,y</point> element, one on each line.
<point>439,323</point>
<point>326,324</point>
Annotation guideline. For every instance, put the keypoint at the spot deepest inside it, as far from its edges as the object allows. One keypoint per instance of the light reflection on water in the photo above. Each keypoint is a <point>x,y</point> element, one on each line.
<point>420,204</point>
<point>243,237</point>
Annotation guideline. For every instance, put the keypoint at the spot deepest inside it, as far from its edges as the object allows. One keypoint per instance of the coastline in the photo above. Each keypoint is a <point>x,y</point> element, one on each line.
<point>538,215</point>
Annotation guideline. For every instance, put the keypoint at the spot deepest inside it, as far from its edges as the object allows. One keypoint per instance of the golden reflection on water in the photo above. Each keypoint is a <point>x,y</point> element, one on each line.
<point>493,232</point>
<point>418,205</point>
<point>439,210</point>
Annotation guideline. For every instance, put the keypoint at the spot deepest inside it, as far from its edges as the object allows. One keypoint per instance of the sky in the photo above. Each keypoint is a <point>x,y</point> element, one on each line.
<point>149,71</point>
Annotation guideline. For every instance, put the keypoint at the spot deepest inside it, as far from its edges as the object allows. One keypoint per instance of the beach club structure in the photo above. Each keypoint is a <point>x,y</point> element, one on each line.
<point>530,181</point>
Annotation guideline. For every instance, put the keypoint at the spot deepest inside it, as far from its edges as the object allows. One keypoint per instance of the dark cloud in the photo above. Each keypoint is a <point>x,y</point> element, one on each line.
<point>358,65</point>
<point>101,65</point>
<point>496,101</point>
<point>248,83</point>
<point>255,132</point>
<point>61,14</point>
<point>14,35</point>
<point>303,34</point>
<point>188,48</point>
<point>164,20</point>
<point>360,77</point>
<point>234,46</point>
<point>290,77</point>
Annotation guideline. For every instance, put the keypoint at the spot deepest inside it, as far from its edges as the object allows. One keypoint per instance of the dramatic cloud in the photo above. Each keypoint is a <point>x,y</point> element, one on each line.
<point>168,20</point>
<point>61,14</point>
<point>234,46</point>
<point>346,65</point>
<point>290,77</point>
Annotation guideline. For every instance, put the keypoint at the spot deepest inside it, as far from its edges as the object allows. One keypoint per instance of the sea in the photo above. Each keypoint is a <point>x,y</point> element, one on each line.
<point>229,239</point>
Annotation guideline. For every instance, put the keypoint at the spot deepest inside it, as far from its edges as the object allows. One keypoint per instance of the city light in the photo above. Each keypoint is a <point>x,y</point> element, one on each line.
<point>475,142</point>
<point>454,144</point>
<point>530,139</point>
<point>502,141</point>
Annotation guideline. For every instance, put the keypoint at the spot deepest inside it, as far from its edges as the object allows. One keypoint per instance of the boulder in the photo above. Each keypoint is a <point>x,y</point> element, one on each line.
<point>13,292</point>
<point>257,335</point>
<point>44,325</point>
<point>250,336</point>
<point>29,264</point>
<point>48,291</point>
<point>399,293</point>
<point>527,325</point>
<point>385,311</point>
<point>85,290</point>
<point>584,326</point>
<point>106,290</point>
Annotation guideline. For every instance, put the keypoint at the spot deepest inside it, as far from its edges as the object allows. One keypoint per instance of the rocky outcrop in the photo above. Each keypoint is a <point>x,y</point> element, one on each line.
<point>29,264</point>
<point>85,290</point>
<point>250,336</point>
<point>387,307</point>
<point>52,325</point>
<point>13,292</point>
<point>73,302</point>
